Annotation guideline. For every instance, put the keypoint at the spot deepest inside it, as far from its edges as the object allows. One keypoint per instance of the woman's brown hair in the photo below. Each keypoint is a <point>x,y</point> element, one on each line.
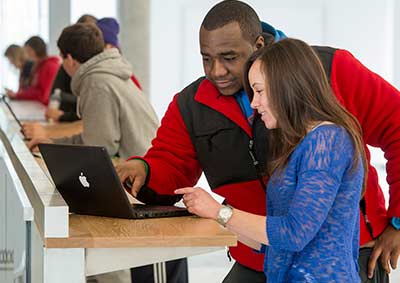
<point>38,46</point>
<point>300,96</point>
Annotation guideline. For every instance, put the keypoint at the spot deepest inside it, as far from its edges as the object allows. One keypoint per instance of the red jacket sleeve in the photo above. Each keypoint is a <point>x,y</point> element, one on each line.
<point>376,105</point>
<point>172,158</point>
<point>41,83</point>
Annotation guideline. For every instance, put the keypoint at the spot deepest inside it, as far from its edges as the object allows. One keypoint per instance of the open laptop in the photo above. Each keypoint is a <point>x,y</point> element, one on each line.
<point>86,179</point>
<point>4,98</point>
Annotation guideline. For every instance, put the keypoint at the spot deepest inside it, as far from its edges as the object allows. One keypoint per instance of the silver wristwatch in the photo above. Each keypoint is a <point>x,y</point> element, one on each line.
<point>225,213</point>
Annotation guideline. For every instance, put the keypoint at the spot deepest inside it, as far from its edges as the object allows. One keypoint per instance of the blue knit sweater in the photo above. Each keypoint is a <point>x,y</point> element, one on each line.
<point>313,211</point>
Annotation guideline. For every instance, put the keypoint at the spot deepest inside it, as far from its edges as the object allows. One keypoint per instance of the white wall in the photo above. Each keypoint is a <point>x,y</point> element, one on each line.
<point>97,8</point>
<point>365,27</point>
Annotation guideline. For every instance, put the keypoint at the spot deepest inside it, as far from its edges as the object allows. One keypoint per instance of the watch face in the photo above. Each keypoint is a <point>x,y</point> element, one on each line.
<point>225,212</point>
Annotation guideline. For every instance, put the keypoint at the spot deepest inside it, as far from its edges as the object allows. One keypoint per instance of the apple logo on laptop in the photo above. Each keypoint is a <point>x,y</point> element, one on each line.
<point>83,180</point>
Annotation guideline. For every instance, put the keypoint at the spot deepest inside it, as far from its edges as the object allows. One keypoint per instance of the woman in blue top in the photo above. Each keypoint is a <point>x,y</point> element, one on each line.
<point>316,169</point>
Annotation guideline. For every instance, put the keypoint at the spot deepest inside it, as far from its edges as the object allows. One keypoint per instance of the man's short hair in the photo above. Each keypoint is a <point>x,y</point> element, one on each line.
<point>81,41</point>
<point>230,11</point>
<point>38,46</point>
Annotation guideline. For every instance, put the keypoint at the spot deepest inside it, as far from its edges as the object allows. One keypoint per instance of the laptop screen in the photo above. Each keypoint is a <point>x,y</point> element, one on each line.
<point>4,98</point>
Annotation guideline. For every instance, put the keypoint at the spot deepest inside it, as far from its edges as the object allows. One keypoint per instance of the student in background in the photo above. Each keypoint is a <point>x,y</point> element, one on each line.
<point>67,110</point>
<point>87,19</point>
<point>316,172</point>
<point>43,72</point>
<point>110,29</point>
<point>113,116</point>
<point>17,57</point>
<point>62,87</point>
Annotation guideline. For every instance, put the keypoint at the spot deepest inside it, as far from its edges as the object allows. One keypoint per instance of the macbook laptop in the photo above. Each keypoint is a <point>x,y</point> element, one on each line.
<point>89,184</point>
<point>4,98</point>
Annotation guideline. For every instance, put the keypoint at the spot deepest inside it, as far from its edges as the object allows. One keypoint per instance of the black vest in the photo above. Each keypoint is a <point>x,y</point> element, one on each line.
<point>222,147</point>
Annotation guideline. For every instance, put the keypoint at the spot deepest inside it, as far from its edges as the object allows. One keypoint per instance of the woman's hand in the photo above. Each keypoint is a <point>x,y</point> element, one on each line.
<point>199,202</point>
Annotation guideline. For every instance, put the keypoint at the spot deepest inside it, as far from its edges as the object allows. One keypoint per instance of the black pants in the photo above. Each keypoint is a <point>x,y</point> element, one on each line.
<point>380,275</point>
<point>242,274</point>
<point>174,271</point>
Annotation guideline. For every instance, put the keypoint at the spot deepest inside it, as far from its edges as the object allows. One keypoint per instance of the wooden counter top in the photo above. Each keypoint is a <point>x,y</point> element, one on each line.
<point>103,232</point>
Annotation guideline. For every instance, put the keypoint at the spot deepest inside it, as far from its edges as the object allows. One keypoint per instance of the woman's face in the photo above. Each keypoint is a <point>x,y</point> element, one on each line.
<point>30,53</point>
<point>261,100</point>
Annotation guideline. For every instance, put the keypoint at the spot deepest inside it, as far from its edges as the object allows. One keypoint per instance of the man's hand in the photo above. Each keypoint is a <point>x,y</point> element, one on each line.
<point>387,247</point>
<point>135,171</point>
<point>199,202</point>
<point>53,114</point>
<point>34,130</point>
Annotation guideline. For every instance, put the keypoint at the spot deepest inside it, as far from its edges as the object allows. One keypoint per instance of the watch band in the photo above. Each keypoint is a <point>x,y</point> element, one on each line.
<point>396,223</point>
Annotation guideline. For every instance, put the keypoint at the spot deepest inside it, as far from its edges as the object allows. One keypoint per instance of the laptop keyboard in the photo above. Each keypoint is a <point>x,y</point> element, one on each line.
<point>158,210</point>
<point>155,208</point>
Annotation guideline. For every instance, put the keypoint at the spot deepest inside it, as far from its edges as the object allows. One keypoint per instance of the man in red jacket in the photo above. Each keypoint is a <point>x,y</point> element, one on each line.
<point>42,75</point>
<point>208,128</point>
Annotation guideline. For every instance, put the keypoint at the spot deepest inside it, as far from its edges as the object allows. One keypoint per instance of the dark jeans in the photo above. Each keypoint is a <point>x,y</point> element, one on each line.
<point>242,274</point>
<point>173,271</point>
<point>380,275</point>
